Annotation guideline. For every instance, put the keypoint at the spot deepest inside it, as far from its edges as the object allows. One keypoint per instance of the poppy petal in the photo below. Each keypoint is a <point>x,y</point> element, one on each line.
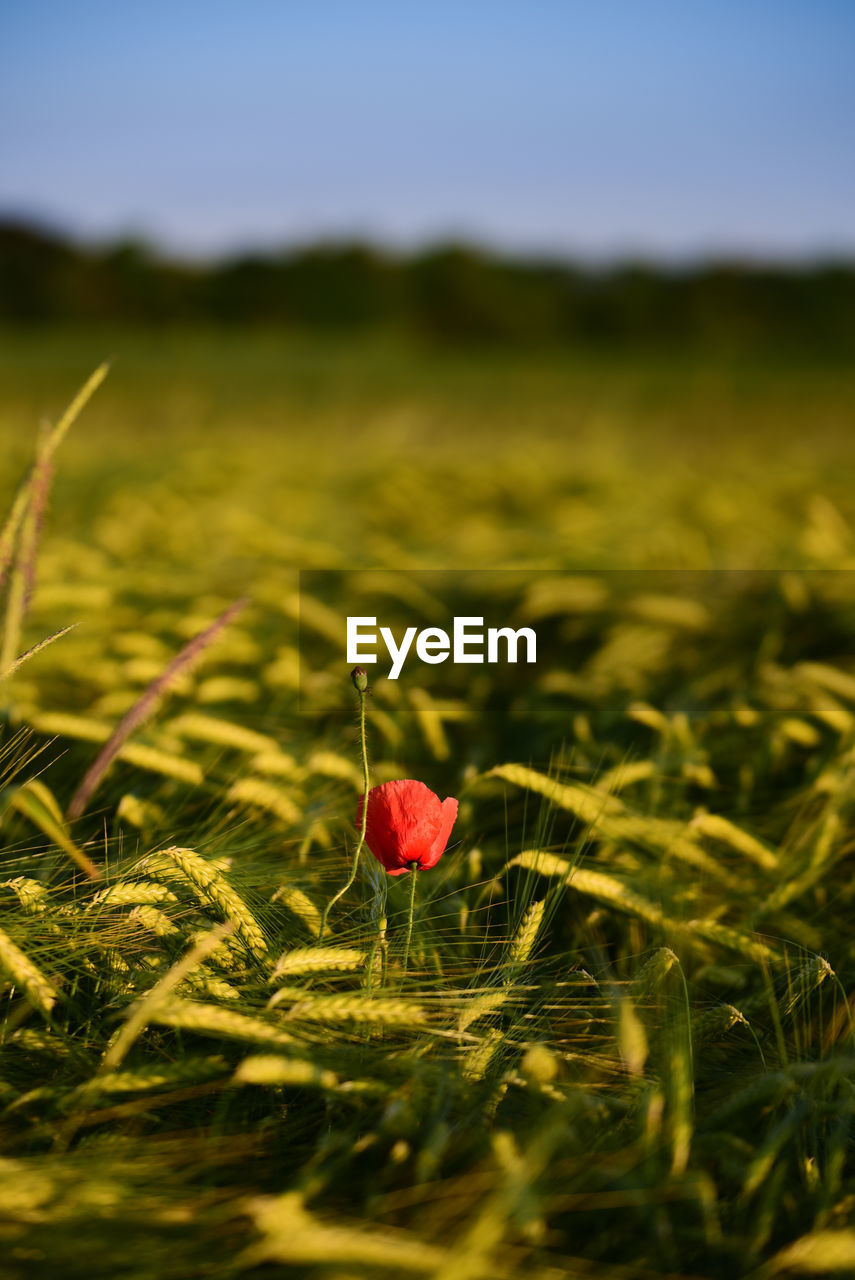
<point>437,849</point>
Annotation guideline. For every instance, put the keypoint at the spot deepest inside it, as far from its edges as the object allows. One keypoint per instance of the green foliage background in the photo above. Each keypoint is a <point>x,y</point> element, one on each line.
<point>450,294</point>
<point>624,1043</point>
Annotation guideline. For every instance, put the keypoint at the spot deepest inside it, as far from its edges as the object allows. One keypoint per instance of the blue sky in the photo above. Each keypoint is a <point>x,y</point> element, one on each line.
<point>586,127</point>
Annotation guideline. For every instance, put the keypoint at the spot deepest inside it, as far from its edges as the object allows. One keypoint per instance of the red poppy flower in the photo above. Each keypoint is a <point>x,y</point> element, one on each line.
<point>407,825</point>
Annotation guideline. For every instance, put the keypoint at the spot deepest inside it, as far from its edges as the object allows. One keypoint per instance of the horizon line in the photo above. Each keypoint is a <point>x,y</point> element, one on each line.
<point>179,251</point>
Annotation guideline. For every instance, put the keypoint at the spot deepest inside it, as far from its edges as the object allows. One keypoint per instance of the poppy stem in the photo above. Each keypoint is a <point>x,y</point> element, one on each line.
<point>361,841</point>
<point>413,874</point>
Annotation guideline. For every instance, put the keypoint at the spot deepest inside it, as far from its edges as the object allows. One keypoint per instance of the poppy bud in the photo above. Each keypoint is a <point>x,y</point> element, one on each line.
<point>359,676</point>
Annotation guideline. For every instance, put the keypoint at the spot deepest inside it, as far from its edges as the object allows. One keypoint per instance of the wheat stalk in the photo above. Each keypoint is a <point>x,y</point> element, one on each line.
<point>271,1069</point>
<point>317,959</point>
<point>213,1020</point>
<point>259,794</point>
<point>154,1076</point>
<point>154,760</point>
<point>144,1011</point>
<point>27,975</point>
<point>223,733</point>
<point>214,890</point>
<point>301,905</point>
<point>348,1008</point>
<point>719,828</point>
<point>595,883</point>
<point>31,894</point>
<point>522,943</point>
<point>155,921</point>
<point>131,893</point>
<point>477,1062</point>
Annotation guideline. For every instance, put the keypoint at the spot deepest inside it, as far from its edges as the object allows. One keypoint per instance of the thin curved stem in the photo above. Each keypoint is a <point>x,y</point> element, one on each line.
<point>413,875</point>
<point>361,841</point>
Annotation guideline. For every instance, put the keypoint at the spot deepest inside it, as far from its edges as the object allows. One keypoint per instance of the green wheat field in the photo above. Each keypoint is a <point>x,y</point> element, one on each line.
<point>623,1044</point>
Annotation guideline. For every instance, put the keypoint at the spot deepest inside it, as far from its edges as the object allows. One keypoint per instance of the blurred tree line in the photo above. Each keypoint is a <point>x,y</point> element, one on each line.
<point>452,292</point>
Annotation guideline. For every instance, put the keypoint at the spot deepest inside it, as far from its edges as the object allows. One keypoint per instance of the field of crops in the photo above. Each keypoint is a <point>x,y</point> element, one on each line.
<point>621,1043</point>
